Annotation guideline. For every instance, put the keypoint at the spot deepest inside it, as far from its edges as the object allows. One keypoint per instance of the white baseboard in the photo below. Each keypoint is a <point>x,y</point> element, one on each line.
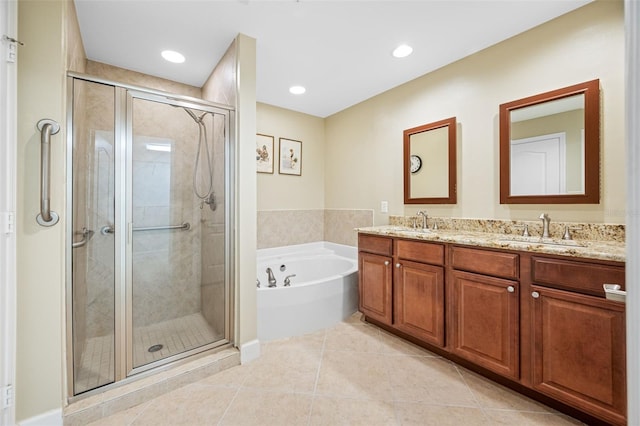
<point>50,418</point>
<point>249,351</point>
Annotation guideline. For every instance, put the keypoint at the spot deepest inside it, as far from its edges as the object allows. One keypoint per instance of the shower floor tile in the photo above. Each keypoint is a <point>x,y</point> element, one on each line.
<point>176,336</point>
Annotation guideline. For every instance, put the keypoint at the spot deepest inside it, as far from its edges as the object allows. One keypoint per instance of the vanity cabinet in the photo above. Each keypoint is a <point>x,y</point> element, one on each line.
<point>418,291</point>
<point>375,277</point>
<point>402,285</point>
<point>539,321</point>
<point>578,340</point>
<point>484,321</point>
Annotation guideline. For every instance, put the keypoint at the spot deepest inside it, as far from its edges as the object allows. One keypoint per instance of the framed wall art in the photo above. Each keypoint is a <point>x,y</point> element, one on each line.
<point>290,157</point>
<point>264,153</point>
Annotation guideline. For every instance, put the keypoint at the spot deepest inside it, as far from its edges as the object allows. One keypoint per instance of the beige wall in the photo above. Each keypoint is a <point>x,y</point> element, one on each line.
<point>40,250</point>
<point>291,209</point>
<point>245,227</point>
<point>288,192</point>
<point>363,154</point>
<point>233,82</point>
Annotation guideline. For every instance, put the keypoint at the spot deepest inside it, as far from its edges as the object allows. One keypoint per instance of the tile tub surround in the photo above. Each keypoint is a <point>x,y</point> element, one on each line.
<point>339,225</point>
<point>353,373</point>
<point>277,228</point>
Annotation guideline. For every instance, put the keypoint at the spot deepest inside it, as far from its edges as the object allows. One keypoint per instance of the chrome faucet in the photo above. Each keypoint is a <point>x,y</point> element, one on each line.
<point>424,218</point>
<point>287,280</point>
<point>272,278</point>
<point>545,224</point>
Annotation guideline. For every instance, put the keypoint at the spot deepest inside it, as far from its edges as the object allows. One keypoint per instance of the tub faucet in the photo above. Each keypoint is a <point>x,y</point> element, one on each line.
<point>424,218</point>
<point>272,279</point>
<point>545,224</point>
<point>287,280</point>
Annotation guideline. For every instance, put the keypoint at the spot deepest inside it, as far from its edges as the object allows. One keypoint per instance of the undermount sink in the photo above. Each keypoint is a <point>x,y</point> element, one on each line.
<point>542,241</point>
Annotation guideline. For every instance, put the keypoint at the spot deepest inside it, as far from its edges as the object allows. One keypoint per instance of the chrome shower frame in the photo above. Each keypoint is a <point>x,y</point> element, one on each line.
<point>123,134</point>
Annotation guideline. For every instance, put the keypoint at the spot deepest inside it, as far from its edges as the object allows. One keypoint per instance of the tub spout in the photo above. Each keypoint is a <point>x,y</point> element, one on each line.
<point>272,278</point>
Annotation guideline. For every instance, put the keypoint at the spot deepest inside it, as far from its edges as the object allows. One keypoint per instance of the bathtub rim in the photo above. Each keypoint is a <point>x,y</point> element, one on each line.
<point>309,251</point>
<point>341,250</point>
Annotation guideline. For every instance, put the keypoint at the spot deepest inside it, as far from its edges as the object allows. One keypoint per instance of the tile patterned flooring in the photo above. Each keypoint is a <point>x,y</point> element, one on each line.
<point>176,336</point>
<point>351,374</point>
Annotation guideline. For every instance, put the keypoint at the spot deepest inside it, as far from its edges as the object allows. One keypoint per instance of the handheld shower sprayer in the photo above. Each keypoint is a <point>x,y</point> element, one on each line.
<point>207,197</point>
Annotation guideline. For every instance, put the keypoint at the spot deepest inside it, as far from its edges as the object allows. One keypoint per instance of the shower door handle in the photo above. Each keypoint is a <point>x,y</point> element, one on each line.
<point>86,236</point>
<point>47,127</point>
<point>107,229</point>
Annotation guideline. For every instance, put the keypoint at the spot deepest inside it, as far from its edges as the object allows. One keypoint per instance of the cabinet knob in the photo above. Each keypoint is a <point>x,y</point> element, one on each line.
<point>511,289</point>
<point>386,263</point>
<point>535,294</point>
<point>398,265</point>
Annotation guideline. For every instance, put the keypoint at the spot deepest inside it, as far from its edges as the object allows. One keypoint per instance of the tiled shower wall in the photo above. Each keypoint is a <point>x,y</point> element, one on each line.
<point>278,228</point>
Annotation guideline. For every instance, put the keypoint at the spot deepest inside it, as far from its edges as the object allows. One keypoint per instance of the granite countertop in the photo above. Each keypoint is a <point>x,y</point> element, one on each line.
<point>602,250</point>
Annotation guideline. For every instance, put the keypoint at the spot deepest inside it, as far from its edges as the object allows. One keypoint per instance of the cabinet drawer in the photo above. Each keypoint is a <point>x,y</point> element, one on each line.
<point>374,244</point>
<point>583,277</point>
<point>420,252</point>
<point>505,265</point>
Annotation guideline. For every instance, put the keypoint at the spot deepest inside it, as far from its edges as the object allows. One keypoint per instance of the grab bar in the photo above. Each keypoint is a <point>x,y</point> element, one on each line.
<point>47,127</point>
<point>86,236</point>
<point>185,226</point>
<point>108,229</point>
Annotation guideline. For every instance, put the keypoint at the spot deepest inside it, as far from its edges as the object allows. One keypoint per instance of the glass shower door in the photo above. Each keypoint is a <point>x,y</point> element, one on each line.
<point>92,253</point>
<point>173,201</point>
<point>148,281</point>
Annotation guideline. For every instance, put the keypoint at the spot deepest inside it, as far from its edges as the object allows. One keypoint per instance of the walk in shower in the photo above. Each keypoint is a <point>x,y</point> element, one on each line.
<point>149,191</point>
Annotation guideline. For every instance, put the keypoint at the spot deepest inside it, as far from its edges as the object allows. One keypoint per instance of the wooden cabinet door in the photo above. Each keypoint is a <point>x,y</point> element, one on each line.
<point>375,286</point>
<point>419,301</point>
<point>579,351</point>
<point>485,322</point>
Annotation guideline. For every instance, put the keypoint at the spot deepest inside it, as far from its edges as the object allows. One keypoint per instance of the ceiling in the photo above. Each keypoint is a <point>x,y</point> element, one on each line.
<point>339,50</point>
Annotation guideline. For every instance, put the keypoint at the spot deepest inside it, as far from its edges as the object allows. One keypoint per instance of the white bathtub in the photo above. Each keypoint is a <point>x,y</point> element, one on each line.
<point>323,292</point>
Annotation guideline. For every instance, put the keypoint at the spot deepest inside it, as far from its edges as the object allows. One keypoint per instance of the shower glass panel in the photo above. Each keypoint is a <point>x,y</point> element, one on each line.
<point>149,279</point>
<point>93,295</point>
<point>174,213</point>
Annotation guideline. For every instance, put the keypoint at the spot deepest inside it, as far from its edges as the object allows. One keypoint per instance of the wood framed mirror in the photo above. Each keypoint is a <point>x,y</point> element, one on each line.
<point>550,147</point>
<point>430,163</point>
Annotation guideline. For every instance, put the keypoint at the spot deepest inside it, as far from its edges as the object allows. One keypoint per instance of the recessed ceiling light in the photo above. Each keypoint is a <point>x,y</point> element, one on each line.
<point>297,90</point>
<point>402,51</point>
<point>173,56</point>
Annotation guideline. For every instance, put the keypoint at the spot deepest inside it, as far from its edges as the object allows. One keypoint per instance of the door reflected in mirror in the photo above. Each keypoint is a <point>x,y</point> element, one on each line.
<point>430,163</point>
<point>549,147</point>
